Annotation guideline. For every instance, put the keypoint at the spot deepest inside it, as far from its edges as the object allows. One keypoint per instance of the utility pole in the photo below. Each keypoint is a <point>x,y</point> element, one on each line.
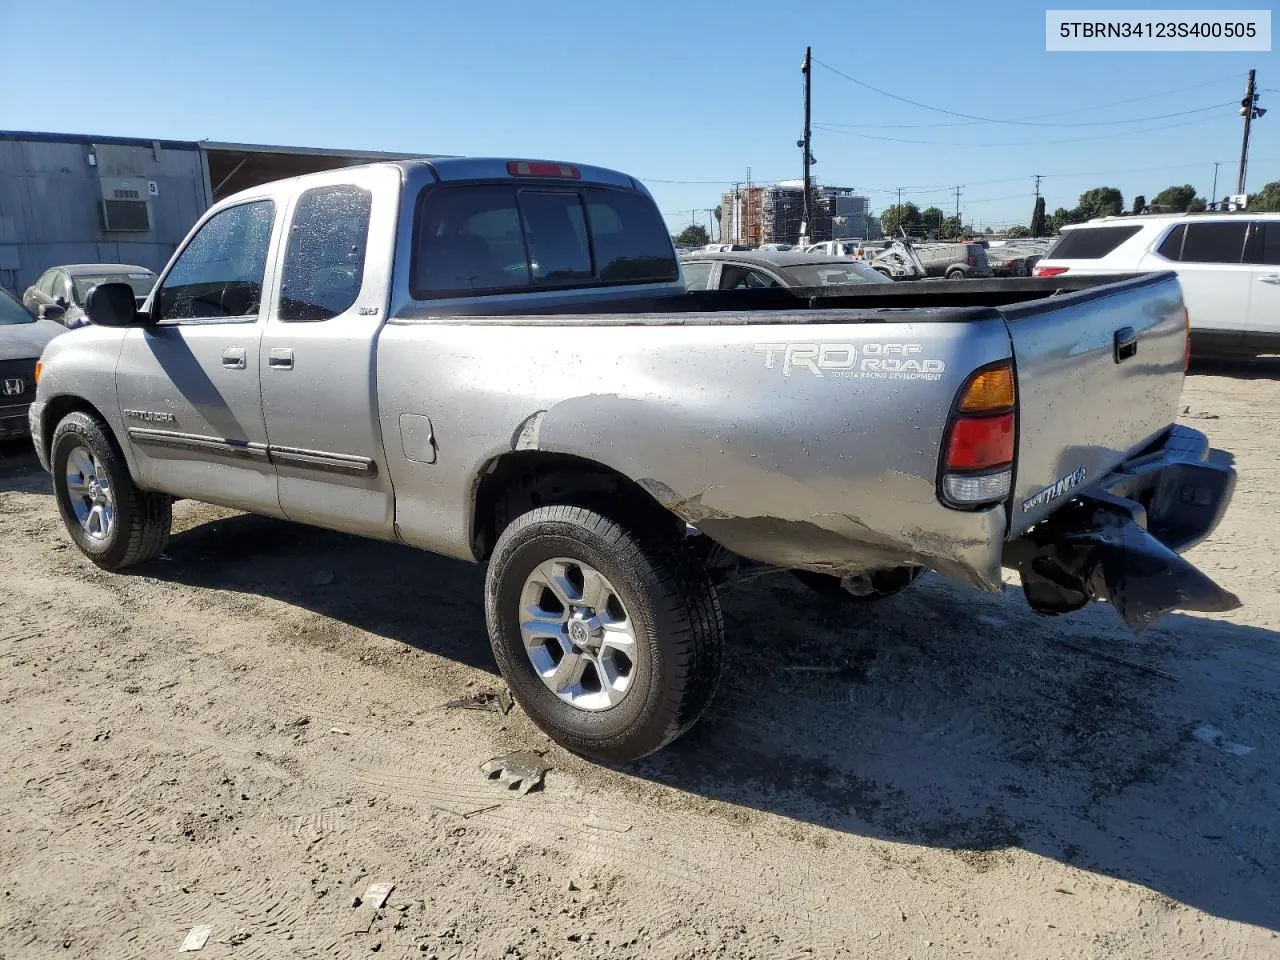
<point>1213,194</point>
<point>733,217</point>
<point>804,144</point>
<point>1249,109</point>
<point>1039,177</point>
<point>899,201</point>
<point>957,203</point>
<point>1037,226</point>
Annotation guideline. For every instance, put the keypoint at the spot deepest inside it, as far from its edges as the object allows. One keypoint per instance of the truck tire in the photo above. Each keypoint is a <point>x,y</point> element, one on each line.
<point>879,584</point>
<point>610,641</point>
<point>114,524</point>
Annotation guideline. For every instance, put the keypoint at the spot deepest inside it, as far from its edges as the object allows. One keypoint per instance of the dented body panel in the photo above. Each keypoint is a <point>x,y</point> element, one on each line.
<point>827,462</point>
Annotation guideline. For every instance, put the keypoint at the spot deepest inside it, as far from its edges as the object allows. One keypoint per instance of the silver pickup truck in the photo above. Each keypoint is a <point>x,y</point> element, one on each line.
<point>497,361</point>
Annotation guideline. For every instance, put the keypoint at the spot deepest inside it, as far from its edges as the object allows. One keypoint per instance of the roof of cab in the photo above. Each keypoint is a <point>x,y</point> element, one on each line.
<point>456,169</point>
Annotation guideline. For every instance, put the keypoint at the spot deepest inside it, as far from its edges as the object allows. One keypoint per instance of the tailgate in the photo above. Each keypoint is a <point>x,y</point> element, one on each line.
<point>1099,374</point>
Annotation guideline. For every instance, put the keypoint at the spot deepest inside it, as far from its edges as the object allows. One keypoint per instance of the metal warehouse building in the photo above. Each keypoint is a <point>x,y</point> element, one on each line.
<point>67,198</point>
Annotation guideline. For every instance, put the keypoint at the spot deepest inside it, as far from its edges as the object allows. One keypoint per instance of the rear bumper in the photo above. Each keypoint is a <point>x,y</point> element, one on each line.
<point>1120,539</point>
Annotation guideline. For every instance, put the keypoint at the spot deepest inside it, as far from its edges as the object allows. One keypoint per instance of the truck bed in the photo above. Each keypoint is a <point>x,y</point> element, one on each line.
<point>946,301</point>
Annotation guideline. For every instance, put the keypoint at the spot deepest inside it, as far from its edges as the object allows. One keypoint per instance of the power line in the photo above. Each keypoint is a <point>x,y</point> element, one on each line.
<point>942,110</point>
<point>1082,123</point>
<point>1016,143</point>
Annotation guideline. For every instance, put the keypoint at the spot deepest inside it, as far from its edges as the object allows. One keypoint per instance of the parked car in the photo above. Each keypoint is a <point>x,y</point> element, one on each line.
<point>725,247</point>
<point>1228,265</point>
<point>497,360</point>
<point>22,339</point>
<point>1007,262</point>
<point>755,270</point>
<point>955,261</point>
<point>849,247</point>
<point>60,292</point>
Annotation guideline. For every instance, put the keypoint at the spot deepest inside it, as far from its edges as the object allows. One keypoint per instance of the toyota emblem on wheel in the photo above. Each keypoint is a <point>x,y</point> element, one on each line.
<point>13,386</point>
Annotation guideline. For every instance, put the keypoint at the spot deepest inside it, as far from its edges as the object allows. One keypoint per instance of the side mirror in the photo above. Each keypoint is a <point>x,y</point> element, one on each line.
<point>50,311</point>
<point>112,305</point>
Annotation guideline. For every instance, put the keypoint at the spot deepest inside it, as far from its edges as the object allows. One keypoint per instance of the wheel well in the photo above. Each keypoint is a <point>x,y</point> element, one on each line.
<point>59,407</point>
<point>518,482</point>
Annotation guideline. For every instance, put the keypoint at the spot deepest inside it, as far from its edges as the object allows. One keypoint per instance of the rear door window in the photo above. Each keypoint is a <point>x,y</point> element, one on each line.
<point>1209,242</point>
<point>697,275</point>
<point>1090,243</point>
<point>487,239</point>
<point>1171,247</point>
<point>324,262</point>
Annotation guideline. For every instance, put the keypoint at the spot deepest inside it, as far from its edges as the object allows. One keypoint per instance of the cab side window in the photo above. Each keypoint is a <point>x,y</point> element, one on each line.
<point>219,274</point>
<point>324,262</point>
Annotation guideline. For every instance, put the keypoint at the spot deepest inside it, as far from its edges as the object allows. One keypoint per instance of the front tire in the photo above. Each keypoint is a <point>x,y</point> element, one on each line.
<point>114,524</point>
<point>610,641</point>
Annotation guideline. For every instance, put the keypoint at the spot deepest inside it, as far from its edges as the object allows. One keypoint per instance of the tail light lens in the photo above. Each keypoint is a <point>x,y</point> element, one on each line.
<point>970,260</point>
<point>1049,271</point>
<point>977,462</point>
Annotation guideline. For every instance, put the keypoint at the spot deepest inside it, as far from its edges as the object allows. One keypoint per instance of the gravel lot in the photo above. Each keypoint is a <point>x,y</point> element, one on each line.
<point>250,730</point>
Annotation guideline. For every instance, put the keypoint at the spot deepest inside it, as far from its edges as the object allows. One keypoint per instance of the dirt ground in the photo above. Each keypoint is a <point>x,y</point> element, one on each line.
<point>250,730</point>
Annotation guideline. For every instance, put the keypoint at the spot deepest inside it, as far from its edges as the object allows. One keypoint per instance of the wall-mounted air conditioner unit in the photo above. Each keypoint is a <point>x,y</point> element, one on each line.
<point>125,206</point>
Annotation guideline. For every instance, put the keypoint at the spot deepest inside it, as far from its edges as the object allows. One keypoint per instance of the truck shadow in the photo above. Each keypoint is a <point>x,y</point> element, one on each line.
<point>939,717</point>
<point>1262,368</point>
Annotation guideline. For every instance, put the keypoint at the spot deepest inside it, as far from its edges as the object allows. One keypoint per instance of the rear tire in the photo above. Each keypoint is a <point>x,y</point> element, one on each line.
<point>955,275</point>
<point>114,524</point>
<point>608,706</point>
<point>879,584</point>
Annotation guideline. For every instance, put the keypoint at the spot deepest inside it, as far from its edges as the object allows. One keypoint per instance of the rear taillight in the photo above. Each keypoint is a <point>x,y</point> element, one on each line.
<point>1049,271</point>
<point>977,461</point>
<point>970,260</point>
<point>535,168</point>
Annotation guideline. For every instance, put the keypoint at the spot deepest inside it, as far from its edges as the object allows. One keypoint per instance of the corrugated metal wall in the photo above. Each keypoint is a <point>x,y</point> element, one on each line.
<point>51,205</point>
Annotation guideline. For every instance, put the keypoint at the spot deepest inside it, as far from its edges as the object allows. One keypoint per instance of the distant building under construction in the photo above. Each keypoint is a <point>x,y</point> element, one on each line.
<point>774,214</point>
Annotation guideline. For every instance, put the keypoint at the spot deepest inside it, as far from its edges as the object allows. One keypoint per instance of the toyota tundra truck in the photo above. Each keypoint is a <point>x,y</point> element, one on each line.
<point>497,360</point>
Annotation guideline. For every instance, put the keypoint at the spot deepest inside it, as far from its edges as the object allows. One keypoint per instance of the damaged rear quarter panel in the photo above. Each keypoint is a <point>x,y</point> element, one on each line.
<point>824,462</point>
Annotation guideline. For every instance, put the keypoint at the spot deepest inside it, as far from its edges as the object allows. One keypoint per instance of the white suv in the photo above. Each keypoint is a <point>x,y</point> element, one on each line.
<point>1228,265</point>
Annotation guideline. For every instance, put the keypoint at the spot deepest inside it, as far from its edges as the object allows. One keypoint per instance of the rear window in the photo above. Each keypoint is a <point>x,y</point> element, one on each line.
<point>1214,242</point>
<point>489,239</point>
<point>1090,243</point>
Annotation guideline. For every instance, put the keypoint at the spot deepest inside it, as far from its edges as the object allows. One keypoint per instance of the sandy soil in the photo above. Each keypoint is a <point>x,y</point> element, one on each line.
<point>249,731</point>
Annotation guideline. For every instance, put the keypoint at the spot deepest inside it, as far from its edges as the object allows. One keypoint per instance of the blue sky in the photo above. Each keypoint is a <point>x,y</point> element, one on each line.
<point>691,91</point>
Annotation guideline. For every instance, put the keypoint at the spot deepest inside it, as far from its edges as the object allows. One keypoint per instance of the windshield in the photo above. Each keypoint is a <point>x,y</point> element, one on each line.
<point>11,311</point>
<point>141,282</point>
<point>833,274</point>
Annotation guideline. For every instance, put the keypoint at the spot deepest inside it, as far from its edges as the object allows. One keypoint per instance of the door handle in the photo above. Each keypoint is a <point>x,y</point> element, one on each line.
<point>1270,278</point>
<point>1126,344</point>
<point>280,358</point>
<point>233,358</point>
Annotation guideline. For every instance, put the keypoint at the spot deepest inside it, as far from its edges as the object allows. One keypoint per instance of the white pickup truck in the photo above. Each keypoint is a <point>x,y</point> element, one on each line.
<point>497,360</point>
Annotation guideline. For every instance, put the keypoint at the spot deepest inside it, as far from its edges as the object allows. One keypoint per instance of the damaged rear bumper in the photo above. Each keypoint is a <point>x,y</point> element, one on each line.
<point>1120,540</point>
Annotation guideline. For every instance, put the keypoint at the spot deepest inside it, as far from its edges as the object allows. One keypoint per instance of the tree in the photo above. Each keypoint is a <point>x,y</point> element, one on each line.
<point>953,229</point>
<point>1060,216</point>
<point>931,220</point>
<point>1267,199</point>
<point>1018,232</point>
<point>692,236</point>
<point>1038,219</point>
<point>906,216</point>
<point>719,223</point>
<point>1102,202</point>
<point>989,230</point>
<point>1197,205</point>
<point>1139,204</point>
<point>1175,199</point>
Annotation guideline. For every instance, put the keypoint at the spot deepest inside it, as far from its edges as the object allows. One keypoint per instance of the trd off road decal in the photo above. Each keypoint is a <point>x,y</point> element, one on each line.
<point>848,361</point>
